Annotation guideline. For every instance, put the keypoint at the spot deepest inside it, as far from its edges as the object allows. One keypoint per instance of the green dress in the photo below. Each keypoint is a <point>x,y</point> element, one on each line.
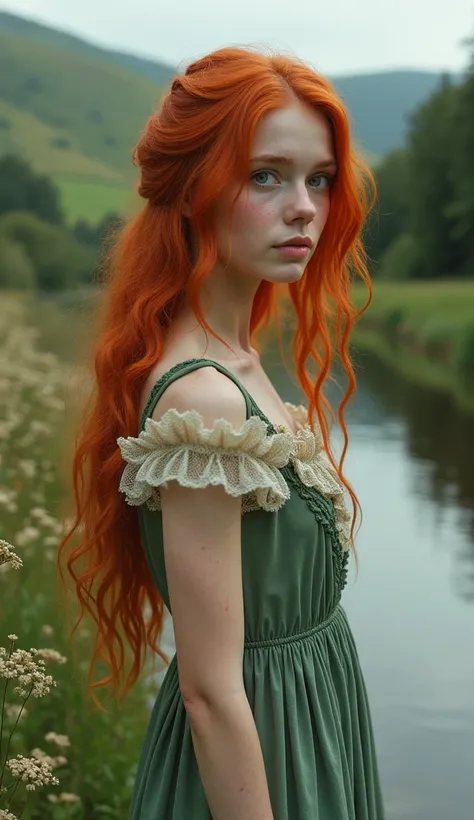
<point>301,670</point>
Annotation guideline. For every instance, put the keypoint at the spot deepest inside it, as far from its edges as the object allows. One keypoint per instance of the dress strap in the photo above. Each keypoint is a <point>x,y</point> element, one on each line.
<point>181,369</point>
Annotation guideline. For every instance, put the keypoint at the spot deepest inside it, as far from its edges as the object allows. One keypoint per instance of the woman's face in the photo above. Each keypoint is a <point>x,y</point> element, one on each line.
<point>287,195</point>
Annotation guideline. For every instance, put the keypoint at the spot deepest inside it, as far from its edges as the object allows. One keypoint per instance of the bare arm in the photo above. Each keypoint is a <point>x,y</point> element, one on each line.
<point>202,532</point>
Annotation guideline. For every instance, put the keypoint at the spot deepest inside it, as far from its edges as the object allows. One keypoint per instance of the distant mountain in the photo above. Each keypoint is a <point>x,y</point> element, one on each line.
<point>380,104</point>
<point>75,110</point>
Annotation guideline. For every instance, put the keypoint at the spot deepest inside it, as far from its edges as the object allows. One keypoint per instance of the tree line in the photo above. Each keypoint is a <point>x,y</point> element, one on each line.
<point>38,249</point>
<point>423,225</point>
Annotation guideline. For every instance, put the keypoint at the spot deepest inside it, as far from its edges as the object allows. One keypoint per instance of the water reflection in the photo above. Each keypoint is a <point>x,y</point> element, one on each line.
<point>438,437</point>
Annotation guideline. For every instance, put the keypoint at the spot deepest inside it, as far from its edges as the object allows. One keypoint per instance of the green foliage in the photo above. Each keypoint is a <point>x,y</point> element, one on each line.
<point>16,268</point>
<point>58,259</point>
<point>464,351</point>
<point>432,185</point>
<point>21,189</point>
<point>95,235</point>
<point>427,191</point>
<point>389,216</point>
<point>402,259</point>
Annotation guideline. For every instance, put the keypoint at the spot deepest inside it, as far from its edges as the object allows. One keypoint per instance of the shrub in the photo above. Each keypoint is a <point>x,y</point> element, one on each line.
<point>16,268</point>
<point>464,351</point>
<point>58,259</point>
<point>401,260</point>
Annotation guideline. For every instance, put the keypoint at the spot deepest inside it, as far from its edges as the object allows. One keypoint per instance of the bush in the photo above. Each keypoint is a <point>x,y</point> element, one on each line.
<point>58,259</point>
<point>464,351</point>
<point>401,260</point>
<point>21,189</point>
<point>16,269</point>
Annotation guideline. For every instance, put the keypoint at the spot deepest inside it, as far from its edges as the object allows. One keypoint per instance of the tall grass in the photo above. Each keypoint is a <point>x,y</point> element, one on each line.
<point>104,746</point>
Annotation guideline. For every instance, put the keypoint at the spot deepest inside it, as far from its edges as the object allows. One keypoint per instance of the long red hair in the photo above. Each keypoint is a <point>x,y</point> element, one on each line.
<point>198,142</point>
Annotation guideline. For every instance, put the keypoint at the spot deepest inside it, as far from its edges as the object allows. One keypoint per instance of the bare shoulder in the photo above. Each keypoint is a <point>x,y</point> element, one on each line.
<point>211,393</point>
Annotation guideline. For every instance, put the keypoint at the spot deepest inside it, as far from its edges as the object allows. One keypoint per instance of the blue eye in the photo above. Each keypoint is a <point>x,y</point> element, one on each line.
<point>323,178</point>
<point>261,179</point>
<point>262,174</point>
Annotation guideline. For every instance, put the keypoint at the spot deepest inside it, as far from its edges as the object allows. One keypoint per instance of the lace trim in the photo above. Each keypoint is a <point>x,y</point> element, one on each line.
<point>245,462</point>
<point>314,469</point>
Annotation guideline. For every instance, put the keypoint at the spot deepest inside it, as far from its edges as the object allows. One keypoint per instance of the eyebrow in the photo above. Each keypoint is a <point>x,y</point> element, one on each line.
<point>277,160</point>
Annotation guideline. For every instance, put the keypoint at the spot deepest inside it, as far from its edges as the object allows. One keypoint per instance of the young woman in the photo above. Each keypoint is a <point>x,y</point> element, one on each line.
<point>197,486</point>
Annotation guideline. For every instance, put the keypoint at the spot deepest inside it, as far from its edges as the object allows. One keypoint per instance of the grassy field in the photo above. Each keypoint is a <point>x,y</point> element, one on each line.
<point>94,753</point>
<point>425,330</point>
<point>91,199</point>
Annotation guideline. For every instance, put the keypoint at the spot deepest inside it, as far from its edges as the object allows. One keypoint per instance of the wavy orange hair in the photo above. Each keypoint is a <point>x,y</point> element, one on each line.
<point>199,141</point>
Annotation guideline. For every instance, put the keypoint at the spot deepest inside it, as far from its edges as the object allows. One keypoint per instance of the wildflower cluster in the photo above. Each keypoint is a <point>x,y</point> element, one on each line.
<point>32,771</point>
<point>20,665</point>
<point>9,556</point>
<point>28,670</point>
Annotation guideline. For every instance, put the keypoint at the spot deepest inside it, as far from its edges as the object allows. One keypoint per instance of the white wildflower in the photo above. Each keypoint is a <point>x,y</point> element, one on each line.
<point>27,466</point>
<point>20,665</point>
<point>12,711</point>
<point>51,541</point>
<point>69,797</point>
<point>54,762</point>
<point>7,815</point>
<point>60,740</point>
<point>51,655</point>
<point>47,630</point>
<point>64,797</point>
<point>32,772</point>
<point>7,497</point>
<point>27,535</point>
<point>37,426</point>
<point>38,512</point>
<point>9,556</point>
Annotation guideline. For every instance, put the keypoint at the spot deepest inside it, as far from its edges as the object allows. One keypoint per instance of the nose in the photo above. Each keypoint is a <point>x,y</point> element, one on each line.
<point>300,205</point>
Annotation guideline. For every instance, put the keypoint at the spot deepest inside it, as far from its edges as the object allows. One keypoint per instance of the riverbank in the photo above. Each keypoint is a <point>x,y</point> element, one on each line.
<point>425,330</point>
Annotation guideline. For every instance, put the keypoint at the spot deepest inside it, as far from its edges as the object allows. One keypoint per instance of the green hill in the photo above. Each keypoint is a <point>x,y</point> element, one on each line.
<point>95,107</point>
<point>160,73</point>
<point>75,110</point>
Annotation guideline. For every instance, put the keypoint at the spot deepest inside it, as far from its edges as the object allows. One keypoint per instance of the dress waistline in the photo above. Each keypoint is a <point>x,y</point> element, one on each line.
<point>297,636</point>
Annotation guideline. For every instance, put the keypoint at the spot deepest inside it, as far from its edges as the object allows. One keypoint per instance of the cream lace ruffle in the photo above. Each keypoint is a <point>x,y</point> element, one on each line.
<point>314,468</point>
<point>178,447</point>
<point>246,462</point>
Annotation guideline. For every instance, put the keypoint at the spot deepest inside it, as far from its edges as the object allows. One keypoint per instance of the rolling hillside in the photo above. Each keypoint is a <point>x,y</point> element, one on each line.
<point>75,110</point>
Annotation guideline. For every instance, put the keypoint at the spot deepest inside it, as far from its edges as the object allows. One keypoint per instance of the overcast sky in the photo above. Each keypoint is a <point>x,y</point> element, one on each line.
<point>335,36</point>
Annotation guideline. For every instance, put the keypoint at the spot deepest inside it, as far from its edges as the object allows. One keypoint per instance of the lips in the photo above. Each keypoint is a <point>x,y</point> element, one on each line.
<point>297,241</point>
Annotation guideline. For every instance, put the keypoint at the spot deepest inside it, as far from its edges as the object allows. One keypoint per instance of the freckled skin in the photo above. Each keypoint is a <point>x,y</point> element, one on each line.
<point>279,201</point>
